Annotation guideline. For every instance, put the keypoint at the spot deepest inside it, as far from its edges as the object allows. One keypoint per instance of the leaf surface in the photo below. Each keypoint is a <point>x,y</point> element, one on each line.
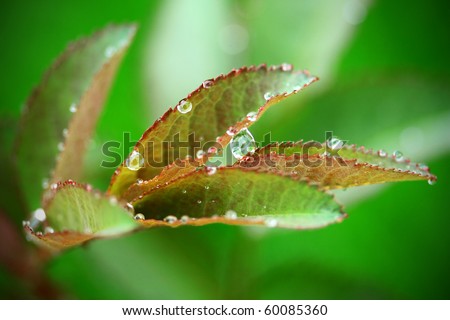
<point>77,214</point>
<point>257,198</point>
<point>62,111</point>
<point>344,167</point>
<point>217,106</point>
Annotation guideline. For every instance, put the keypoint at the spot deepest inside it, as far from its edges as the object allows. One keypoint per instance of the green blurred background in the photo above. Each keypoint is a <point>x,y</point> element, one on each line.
<point>384,83</point>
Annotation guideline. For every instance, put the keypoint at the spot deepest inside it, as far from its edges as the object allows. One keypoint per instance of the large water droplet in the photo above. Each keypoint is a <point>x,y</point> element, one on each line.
<point>139,216</point>
<point>39,214</point>
<point>431,182</point>
<point>398,156</point>
<point>230,214</point>
<point>335,143</point>
<point>184,219</point>
<point>170,219</point>
<point>184,106</point>
<point>184,191</point>
<point>199,201</point>
<point>252,116</point>
<point>135,161</point>
<point>242,144</point>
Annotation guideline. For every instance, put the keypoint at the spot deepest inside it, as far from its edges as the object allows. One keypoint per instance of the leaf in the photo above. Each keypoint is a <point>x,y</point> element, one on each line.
<point>343,167</point>
<point>217,105</point>
<point>258,198</point>
<point>77,214</point>
<point>78,81</point>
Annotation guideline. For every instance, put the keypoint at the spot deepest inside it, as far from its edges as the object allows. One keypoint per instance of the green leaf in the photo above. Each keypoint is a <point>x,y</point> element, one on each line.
<point>62,111</point>
<point>257,198</point>
<point>218,105</point>
<point>77,214</point>
<point>329,168</point>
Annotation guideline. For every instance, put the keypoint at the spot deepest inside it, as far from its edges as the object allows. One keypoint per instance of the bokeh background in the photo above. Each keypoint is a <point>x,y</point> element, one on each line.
<point>384,84</point>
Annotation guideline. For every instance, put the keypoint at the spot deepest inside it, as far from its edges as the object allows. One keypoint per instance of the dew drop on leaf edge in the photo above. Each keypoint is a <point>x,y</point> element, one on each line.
<point>242,144</point>
<point>139,216</point>
<point>135,161</point>
<point>184,106</point>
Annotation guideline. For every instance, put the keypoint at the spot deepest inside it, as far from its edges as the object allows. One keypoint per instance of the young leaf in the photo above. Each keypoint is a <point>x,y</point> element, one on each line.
<point>77,214</point>
<point>237,196</point>
<point>217,106</point>
<point>342,167</point>
<point>61,113</point>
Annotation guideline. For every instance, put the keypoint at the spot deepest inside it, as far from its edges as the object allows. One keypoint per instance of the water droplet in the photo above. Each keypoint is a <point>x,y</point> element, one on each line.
<point>48,230</point>
<point>113,200</point>
<point>73,108</point>
<point>230,214</point>
<point>286,67</point>
<point>184,106</point>
<point>139,181</point>
<point>242,144</point>
<point>252,116</point>
<point>207,187</point>
<point>170,219</point>
<point>231,131</point>
<point>207,84</point>
<point>39,214</point>
<point>431,182</point>
<point>135,161</point>
<point>212,150</point>
<point>264,207</point>
<point>199,201</point>
<point>139,216</point>
<point>335,143</point>
<point>268,95</point>
<point>109,51</point>
<point>61,146</point>
<point>423,167</point>
<point>129,207</point>
<point>398,156</point>
<point>44,183</point>
<point>65,133</point>
<point>382,153</point>
<point>326,154</point>
<point>200,154</point>
<point>211,170</point>
<point>39,234</point>
<point>184,219</point>
<point>271,223</point>
<point>184,191</point>
<point>25,223</point>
